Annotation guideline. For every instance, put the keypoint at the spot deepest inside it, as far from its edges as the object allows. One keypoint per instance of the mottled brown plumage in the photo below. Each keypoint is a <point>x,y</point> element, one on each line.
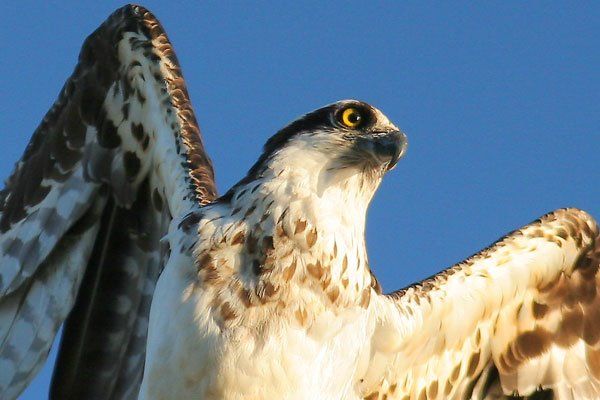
<point>503,344</point>
<point>95,153</point>
<point>266,292</point>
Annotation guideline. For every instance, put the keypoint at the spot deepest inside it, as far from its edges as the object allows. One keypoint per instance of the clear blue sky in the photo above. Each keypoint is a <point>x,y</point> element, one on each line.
<point>500,102</point>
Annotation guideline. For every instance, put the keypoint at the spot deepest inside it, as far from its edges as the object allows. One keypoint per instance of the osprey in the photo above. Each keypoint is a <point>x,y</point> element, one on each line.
<point>111,222</point>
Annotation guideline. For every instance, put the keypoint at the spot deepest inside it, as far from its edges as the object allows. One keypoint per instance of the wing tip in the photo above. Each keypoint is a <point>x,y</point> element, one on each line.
<point>574,223</point>
<point>137,18</point>
<point>579,226</point>
<point>579,214</point>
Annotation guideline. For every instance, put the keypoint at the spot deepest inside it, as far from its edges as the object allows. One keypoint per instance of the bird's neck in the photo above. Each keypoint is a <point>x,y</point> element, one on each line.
<point>305,229</point>
<point>311,185</point>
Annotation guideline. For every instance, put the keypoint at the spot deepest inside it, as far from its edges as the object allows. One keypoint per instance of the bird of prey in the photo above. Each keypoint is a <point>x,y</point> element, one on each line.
<point>111,223</point>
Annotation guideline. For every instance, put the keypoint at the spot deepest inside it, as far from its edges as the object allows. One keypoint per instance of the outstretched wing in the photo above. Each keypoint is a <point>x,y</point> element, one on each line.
<point>519,318</point>
<point>117,156</point>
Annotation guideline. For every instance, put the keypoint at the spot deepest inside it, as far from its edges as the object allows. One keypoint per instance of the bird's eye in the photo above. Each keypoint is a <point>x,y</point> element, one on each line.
<point>351,117</point>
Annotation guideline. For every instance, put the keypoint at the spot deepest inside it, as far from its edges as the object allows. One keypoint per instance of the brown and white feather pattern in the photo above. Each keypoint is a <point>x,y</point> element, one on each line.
<point>269,294</point>
<point>266,293</point>
<point>522,316</point>
<point>116,157</point>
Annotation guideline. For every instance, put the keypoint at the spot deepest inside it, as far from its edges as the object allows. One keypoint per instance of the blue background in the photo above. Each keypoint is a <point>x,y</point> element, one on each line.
<point>500,103</point>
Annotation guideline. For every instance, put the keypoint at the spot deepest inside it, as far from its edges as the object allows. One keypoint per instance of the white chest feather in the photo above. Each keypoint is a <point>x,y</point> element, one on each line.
<point>194,351</point>
<point>266,295</point>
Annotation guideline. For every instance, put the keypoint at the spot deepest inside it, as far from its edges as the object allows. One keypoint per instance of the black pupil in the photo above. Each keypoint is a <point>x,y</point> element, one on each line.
<point>354,118</point>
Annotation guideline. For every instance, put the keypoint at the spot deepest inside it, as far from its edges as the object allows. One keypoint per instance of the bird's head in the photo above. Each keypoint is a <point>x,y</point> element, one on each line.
<point>343,147</point>
<point>346,134</point>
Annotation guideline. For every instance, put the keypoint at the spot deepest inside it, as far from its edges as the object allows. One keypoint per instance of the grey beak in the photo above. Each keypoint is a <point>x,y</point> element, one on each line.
<point>385,146</point>
<point>393,146</point>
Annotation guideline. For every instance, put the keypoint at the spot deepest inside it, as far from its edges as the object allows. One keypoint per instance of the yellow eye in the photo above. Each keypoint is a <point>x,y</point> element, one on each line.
<point>351,117</point>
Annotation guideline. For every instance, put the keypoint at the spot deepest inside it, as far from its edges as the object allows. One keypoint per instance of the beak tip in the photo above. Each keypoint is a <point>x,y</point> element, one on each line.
<point>400,144</point>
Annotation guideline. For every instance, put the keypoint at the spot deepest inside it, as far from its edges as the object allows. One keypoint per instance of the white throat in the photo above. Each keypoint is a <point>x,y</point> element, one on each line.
<point>334,198</point>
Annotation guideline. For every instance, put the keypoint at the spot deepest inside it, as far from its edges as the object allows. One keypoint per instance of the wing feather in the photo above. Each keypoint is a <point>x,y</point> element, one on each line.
<point>122,141</point>
<point>112,302</point>
<point>519,318</point>
<point>30,316</point>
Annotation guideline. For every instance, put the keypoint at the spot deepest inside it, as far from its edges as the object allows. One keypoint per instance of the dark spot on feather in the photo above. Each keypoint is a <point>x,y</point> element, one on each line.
<point>316,270</point>
<point>238,238</point>
<point>300,227</point>
<point>209,272</point>
<point>250,211</point>
<point>251,244</point>
<point>125,111</point>
<point>140,97</point>
<point>126,87</point>
<point>539,310</point>
<point>227,312</point>
<point>455,373</point>
<point>528,345</point>
<point>288,273</point>
<point>108,136</point>
<point>344,264</point>
<point>333,294</point>
<point>256,267</point>
<point>365,299</point>
<point>269,290</point>
<point>268,244</point>
<point>245,297</point>
<point>311,237</point>
<point>138,131</point>
<point>447,388</point>
<point>432,391</point>
<point>189,221</point>
<point>473,363</point>
<point>266,215</point>
<point>157,200</point>
<point>241,193</point>
<point>132,165</point>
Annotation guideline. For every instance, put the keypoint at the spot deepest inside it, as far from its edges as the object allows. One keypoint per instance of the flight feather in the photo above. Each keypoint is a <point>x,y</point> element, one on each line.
<point>81,217</point>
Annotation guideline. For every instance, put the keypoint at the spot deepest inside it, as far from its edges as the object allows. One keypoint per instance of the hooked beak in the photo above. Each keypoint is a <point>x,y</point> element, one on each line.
<point>385,147</point>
